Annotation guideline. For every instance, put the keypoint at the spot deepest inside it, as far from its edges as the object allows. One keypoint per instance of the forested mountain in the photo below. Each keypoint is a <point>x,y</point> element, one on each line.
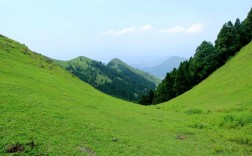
<point>116,78</point>
<point>167,66</point>
<point>119,65</point>
<point>208,58</point>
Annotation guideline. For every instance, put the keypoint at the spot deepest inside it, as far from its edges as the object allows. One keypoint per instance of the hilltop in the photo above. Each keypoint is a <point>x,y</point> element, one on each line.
<point>47,110</point>
<point>116,78</point>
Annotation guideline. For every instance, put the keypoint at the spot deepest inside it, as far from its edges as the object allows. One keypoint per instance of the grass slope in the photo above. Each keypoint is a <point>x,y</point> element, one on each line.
<point>41,102</point>
<point>222,105</point>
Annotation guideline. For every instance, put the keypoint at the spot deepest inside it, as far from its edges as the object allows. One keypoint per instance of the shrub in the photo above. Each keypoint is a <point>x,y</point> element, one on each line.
<point>199,125</point>
<point>231,121</point>
<point>194,111</point>
<point>242,139</point>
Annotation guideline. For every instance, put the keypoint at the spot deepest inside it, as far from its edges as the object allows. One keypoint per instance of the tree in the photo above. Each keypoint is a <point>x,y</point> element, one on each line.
<point>147,99</point>
<point>246,29</point>
<point>203,63</point>
<point>70,68</point>
<point>183,80</point>
<point>227,43</point>
<point>165,90</point>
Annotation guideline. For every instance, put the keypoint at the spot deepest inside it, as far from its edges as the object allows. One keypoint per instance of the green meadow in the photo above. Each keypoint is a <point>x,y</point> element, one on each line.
<point>48,111</point>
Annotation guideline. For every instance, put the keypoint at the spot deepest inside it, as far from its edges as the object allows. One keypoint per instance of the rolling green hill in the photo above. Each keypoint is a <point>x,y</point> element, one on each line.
<point>93,75</point>
<point>49,111</point>
<point>116,78</point>
<point>81,61</point>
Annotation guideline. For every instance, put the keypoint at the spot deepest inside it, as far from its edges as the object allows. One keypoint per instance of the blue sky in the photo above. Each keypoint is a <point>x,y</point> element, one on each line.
<point>132,30</point>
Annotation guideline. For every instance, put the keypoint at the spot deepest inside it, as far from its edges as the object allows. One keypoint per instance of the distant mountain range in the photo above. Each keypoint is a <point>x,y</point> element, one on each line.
<point>115,78</point>
<point>167,66</point>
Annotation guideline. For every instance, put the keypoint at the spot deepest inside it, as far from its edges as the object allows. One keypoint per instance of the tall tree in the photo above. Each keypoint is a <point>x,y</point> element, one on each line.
<point>227,43</point>
<point>147,99</point>
<point>165,90</point>
<point>203,62</point>
<point>183,80</point>
<point>247,29</point>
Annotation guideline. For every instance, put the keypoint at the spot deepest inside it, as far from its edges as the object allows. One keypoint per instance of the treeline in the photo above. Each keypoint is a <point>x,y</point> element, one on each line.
<point>208,58</point>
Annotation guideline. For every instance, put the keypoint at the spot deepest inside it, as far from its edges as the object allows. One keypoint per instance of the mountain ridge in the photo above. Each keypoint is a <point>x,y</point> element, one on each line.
<point>166,66</point>
<point>148,76</point>
<point>115,78</point>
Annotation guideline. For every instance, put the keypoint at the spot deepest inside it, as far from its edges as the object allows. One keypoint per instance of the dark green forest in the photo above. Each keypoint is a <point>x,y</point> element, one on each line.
<point>208,57</point>
<point>120,82</point>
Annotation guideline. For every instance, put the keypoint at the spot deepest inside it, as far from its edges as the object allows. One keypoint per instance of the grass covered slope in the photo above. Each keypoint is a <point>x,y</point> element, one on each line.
<point>41,102</point>
<point>222,104</point>
<point>230,87</point>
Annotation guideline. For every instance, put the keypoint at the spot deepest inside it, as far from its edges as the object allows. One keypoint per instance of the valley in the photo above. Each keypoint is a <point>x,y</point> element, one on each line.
<point>44,104</point>
<point>79,106</point>
<point>116,78</point>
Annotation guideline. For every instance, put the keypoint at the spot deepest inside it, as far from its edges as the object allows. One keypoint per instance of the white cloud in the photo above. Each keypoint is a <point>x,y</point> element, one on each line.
<point>145,27</point>
<point>128,30</point>
<point>175,29</point>
<point>125,30</point>
<point>110,32</point>
<point>193,29</point>
<point>120,32</point>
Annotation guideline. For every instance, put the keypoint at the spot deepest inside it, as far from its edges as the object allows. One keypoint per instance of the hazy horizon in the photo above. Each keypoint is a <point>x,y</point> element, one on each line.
<point>133,31</point>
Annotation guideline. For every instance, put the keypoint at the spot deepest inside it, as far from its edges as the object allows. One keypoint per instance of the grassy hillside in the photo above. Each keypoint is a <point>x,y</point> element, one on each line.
<point>42,103</point>
<point>85,63</point>
<point>117,78</point>
<point>229,88</point>
<point>222,105</point>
